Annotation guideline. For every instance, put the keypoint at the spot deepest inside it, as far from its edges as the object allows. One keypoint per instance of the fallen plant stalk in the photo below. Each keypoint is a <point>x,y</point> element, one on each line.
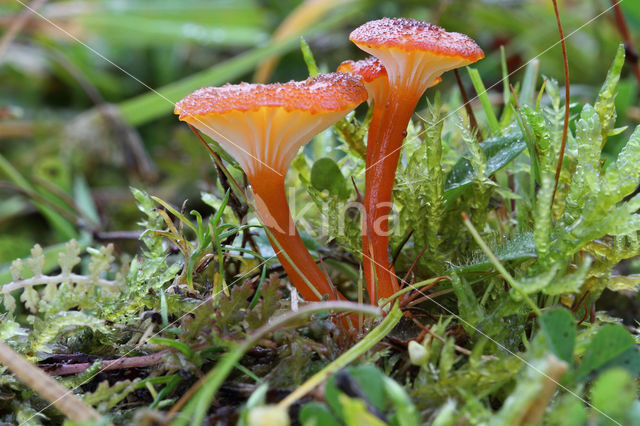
<point>47,387</point>
<point>109,364</point>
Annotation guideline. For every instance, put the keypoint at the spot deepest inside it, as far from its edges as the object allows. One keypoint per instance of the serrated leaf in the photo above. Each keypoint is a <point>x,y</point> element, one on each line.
<point>36,262</point>
<point>570,283</point>
<point>30,298</point>
<point>16,269</point>
<point>605,103</point>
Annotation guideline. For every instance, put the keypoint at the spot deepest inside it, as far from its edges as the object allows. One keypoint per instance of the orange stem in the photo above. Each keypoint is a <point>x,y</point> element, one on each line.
<point>367,255</point>
<point>380,177</point>
<point>273,209</point>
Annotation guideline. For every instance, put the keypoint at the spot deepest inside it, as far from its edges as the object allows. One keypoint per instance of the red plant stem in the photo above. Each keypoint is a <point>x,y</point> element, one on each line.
<point>273,209</point>
<point>567,84</point>
<point>632,54</point>
<point>379,178</point>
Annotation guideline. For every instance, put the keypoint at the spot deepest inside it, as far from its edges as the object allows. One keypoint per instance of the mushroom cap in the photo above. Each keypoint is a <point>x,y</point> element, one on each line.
<point>369,69</point>
<point>414,53</point>
<point>324,93</point>
<point>373,73</point>
<point>263,125</point>
<point>412,35</point>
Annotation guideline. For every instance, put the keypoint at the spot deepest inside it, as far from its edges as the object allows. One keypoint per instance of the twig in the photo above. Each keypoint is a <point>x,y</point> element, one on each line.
<point>632,54</point>
<point>467,107</point>
<point>404,241</point>
<point>48,388</point>
<point>567,84</point>
<point>413,265</point>
<point>109,364</point>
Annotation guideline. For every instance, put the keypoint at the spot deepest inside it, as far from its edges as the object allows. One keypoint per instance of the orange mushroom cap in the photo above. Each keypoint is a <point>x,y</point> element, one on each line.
<point>413,52</point>
<point>370,69</point>
<point>411,34</point>
<point>374,75</point>
<point>264,125</point>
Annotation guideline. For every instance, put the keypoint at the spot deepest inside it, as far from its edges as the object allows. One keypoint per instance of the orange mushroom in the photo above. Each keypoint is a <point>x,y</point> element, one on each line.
<point>374,77</point>
<point>263,127</point>
<point>414,54</point>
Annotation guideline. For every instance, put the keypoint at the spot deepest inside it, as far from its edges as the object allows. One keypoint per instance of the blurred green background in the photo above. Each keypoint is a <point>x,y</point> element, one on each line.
<point>79,123</point>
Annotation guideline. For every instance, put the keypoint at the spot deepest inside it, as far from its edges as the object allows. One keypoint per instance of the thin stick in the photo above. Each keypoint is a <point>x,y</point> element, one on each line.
<point>467,107</point>
<point>413,265</point>
<point>48,388</point>
<point>109,364</point>
<point>567,84</point>
<point>632,54</point>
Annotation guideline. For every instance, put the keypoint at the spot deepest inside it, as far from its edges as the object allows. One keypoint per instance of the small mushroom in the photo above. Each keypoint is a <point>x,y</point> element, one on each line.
<point>414,54</point>
<point>374,77</point>
<point>263,127</point>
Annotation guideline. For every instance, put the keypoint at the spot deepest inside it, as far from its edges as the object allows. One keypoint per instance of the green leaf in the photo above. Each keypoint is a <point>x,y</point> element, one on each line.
<point>624,282</point>
<point>528,91</point>
<point>605,104</point>
<point>317,414</point>
<point>175,344</point>
<point>499,152</point>
<point>611,341</point>
<point>468,305</point>
<point>307,55</point>
<point>613,395</point>
<point>84,200</point>
<point>629,360</point>
<point>371,381</point>
<point>326,175</point>
<point>367,378</point>
<point>559,329</point>
<point>518,248</point>
<point>484,100</point>
<point>355,412</point>
<point>406,413</point>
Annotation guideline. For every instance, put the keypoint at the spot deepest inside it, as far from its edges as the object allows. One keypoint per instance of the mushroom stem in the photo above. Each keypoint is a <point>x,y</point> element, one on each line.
<point>273,209</point>
<point>368,258</point>
<point>379,180</point>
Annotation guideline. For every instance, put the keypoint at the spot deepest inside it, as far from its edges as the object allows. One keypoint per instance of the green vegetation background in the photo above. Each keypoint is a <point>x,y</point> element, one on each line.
<point>77,132</point>
<point>50,87</point>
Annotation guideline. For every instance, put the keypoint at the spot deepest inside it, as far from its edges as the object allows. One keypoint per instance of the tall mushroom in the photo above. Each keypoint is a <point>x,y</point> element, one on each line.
<point>374,77</point>
<point>414,53</point>
<point>263,127</point>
